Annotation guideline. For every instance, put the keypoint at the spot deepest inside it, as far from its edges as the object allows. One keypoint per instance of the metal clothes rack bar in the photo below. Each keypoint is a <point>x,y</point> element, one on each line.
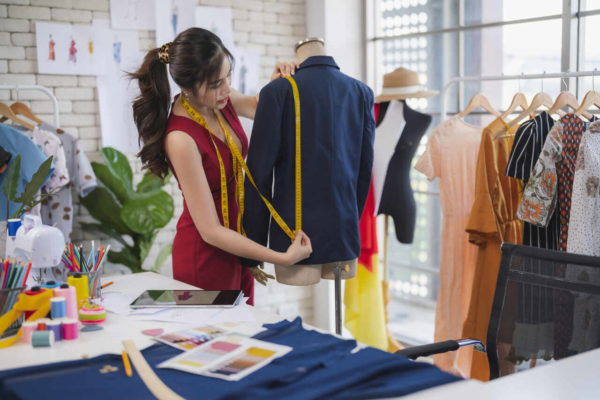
<point>461,79</point>
<point>40,89</point>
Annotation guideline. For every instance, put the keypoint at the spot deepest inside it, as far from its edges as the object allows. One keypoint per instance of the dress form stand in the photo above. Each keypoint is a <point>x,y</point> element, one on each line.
<point>303,275</point>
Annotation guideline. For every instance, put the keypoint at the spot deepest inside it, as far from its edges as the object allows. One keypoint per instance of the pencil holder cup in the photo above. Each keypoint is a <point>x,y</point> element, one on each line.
<point>94,284</point>
<point>8,298</point>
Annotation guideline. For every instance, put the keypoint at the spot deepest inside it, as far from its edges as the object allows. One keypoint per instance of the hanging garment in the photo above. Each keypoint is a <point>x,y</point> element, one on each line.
<point>550,186</point>
<point>50,146</point>
<point>32,158</point>
<point>57,210</point>
<point>364,314</point>
<point>584,238</point>
<point>533,336</point>
<point>194,261</point>
<point>584,223</point>
<point>491,222</point>
<point>451,156</point>
<point>394,154</point>
<point>337,156</point>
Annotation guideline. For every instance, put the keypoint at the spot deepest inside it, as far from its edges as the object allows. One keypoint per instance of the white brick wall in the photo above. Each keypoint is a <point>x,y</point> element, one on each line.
<point>271,27</point>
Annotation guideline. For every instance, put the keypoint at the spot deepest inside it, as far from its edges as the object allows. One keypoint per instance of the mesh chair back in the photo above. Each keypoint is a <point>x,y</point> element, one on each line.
<point>546,307</point>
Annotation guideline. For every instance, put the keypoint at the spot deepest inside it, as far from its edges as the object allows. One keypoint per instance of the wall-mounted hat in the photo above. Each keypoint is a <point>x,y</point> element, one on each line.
<point>403,84</point>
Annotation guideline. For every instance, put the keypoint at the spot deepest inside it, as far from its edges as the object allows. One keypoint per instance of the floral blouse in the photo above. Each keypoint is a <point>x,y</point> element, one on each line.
<point>584,224</point>
<point>550,185</point>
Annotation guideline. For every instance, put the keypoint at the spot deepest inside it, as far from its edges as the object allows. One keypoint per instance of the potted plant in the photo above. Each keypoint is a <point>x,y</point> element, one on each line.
<point>124,212</point>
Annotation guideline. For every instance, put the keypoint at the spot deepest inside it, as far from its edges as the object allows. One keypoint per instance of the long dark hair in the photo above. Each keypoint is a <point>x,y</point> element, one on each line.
<point>195,56</point>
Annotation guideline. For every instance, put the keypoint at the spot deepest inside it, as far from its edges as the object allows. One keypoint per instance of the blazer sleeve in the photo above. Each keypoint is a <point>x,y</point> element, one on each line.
<point>366,156</point>
<point>263,151</point>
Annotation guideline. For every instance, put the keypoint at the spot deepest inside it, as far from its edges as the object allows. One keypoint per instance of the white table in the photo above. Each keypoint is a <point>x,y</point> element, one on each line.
<point>116,328</point>
<point>571,378</point>
<point>575,377</point>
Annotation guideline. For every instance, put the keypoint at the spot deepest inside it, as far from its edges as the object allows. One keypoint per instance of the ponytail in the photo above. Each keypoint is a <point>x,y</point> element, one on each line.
<point>194,56</point>
<point>151,112</point>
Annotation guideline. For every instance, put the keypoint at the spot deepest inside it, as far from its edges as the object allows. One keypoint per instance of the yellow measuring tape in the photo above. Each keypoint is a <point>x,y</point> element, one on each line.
<point>239,165</point>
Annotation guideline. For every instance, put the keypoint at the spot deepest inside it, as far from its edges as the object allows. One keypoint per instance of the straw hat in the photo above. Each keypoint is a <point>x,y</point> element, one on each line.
<point>403,84</point>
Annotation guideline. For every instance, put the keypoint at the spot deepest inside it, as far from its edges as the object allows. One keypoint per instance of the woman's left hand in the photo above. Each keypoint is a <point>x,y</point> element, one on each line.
<point>284,69</point>
<point>261,276</point>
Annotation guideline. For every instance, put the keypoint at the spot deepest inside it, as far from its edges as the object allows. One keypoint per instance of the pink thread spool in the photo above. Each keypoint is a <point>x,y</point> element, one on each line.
<point>70,295</point>
<point>70,329</point>
<point>28,328</point>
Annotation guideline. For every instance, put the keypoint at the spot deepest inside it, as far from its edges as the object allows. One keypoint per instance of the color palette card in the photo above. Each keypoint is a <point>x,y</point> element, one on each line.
<point>229,357</point>
<point>188,339</point>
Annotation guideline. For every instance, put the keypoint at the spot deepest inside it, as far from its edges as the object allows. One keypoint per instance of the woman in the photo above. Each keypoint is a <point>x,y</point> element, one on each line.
<point>192,142</point>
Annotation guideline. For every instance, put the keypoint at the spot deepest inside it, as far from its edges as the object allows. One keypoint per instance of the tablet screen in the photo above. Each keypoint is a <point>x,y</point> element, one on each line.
<point>187,298</point>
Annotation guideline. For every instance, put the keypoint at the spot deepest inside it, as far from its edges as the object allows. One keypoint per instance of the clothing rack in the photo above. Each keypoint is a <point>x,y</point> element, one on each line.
<point>39,88</point>
<point>461,79</point>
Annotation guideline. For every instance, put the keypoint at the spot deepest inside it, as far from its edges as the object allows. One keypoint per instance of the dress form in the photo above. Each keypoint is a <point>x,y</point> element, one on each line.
<point>304,275</point>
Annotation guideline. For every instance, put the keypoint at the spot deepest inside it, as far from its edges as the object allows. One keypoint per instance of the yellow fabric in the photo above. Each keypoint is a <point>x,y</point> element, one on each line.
<point>40,303</point>
<point>364,313</point>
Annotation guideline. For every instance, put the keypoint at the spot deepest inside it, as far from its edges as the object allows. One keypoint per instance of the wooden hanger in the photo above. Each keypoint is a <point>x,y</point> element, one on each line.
<point>591,98</point>
<point>519,100</point>
<point>21,109</point>
<point>6,111</point>
<point>478,100</point>
<point>540,99</point>
<point>569,100</point>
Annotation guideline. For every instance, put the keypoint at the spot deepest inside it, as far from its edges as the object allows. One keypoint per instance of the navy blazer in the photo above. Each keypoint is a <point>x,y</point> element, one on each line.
<point>337,156</point>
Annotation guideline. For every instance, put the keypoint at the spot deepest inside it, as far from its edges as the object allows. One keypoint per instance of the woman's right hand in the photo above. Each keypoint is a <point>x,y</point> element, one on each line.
<point>300,249</point>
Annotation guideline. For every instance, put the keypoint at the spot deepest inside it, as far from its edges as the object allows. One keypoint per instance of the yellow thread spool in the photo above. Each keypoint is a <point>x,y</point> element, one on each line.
<point>80,283</point>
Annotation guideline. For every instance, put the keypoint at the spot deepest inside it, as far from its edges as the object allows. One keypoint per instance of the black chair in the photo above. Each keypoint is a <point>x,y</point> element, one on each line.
<point>546,307</point>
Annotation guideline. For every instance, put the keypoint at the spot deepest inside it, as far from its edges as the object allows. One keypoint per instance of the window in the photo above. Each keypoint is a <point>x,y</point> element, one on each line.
<point>441,39</point>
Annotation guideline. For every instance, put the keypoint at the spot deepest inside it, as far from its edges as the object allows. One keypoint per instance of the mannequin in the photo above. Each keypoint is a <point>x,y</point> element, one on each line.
<point>397,198</point>
<point>399,131</point>
<point>337,157</point>
<point>303,275</point>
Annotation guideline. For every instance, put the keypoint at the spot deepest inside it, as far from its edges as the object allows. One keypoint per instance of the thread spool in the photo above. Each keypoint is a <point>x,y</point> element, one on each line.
<point>42,338</point>
<point>50,284</point>
<point>56,327</point>
<point>92,314</point>
<point>70,295</point>
<point>42,324</point>
<point>70,329</point>
<point>34,291</point>
<point>58,307</point>
<point>80,283</point>
<point>27,328</point>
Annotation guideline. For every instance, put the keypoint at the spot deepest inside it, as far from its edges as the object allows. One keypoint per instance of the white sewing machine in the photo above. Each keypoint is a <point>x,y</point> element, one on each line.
<point>41,244</point>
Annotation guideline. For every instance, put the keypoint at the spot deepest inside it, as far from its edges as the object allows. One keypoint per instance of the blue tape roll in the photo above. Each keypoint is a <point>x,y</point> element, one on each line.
<point>58,307</point>
<point>42,338</point>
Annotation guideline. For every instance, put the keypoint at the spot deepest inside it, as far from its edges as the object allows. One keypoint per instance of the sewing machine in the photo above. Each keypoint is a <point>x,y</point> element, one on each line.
<point>41,244</point>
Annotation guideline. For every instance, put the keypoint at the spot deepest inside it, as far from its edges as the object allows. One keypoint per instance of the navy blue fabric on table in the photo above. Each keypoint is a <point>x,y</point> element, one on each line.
<point>320,366</point>
<point>338,130</point>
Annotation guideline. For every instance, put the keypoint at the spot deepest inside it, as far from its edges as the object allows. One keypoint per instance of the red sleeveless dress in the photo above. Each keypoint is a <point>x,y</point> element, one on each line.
<point>194,261</point>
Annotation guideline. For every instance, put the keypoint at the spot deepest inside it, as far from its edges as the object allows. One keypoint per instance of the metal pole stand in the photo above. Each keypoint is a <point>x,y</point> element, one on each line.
<point>338,297</point>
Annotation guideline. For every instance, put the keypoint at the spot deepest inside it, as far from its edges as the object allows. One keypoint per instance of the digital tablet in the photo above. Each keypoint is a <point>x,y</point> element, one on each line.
<point>187,298</point>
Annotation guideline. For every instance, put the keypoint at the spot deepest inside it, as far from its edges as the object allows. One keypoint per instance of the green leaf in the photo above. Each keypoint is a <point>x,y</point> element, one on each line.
<point>165,252</point>
<point>105,230</point>
<point>37,180</point>
<point>101,204</point>
<point>118,165</point>
<point>12,178</point>
<point>145,245</point>
<point>126,257</point>
<point>156,206</point>
<point>137,217</point>
<point>111,181</point>
<point>149,183</point>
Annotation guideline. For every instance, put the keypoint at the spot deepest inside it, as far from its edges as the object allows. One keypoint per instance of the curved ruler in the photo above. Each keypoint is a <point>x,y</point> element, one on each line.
<point>152,382</point>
